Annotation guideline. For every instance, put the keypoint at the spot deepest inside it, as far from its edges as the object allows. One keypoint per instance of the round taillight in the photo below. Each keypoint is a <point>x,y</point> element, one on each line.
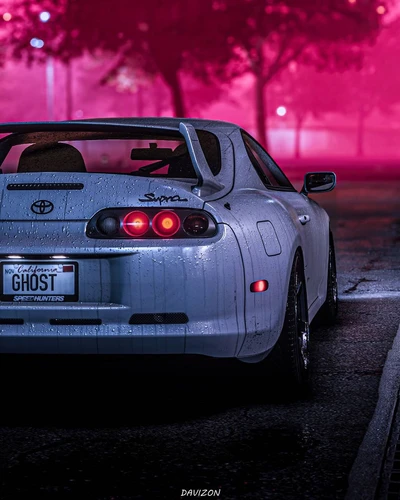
<point>108,225</point>
<point>166,224</point>
<point>196,224</point>
<point>136,223</point>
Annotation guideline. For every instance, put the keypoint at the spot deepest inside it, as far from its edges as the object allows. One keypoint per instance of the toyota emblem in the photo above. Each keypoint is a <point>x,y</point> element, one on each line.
<point>42,207</point>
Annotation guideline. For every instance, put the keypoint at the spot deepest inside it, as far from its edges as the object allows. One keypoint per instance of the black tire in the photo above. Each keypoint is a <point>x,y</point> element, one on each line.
<point>290,356</point>
<point>327,314</point>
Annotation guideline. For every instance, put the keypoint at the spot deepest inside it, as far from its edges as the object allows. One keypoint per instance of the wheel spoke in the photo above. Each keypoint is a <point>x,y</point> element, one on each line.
<point>304,333</point>
<point>302,324</point>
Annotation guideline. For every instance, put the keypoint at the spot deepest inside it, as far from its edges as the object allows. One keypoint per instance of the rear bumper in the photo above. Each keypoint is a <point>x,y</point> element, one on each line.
<point>117,339</point>
<point>202,282</point>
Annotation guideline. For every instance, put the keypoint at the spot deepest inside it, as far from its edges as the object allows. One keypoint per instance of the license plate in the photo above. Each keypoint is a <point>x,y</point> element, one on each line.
<point>39,282</point>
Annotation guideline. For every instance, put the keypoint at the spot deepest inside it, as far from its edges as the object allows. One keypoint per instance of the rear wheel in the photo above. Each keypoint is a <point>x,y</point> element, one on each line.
<point>328,312</point>
<point>290,356</point>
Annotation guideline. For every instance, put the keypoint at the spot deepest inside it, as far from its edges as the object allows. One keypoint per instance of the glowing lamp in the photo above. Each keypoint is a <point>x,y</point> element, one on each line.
<point>166,224</point>
<point>281,111</point>
<point>259,286</point>
<point>44,16</point>
<point>136,223</point>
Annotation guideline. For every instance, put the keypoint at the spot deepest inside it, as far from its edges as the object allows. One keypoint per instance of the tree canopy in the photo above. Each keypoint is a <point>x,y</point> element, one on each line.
<point>162,37</point>
<point>324,33</point>
<point>212,40</point>
<point>358,92</point>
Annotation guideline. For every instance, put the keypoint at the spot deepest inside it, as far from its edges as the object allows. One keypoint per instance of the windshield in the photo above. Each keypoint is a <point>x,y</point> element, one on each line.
<point>149,155</point>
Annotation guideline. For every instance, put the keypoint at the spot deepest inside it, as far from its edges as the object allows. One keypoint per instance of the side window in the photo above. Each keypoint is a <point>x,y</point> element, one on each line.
<point>211,149</point>
<point>268,171</point>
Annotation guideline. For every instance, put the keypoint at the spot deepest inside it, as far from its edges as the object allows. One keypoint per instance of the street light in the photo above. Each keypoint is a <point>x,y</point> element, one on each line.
<point>38,43</point>
<point>44,16</point>
<point>281,111</point>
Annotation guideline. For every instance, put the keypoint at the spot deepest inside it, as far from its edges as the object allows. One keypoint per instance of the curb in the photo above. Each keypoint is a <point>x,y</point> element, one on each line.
<point>366,295</point>
<point>366,470</point>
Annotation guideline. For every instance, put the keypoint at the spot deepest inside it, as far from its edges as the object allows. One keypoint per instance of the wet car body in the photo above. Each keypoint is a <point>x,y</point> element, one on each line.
<point>149,294</point>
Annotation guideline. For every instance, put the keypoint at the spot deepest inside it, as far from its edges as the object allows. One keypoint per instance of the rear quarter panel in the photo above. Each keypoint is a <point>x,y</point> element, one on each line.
<point>264,312</point>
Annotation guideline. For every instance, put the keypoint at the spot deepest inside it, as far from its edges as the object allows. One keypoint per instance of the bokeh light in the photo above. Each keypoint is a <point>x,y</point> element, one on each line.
<point>44,16</point>
<point>7,16</point>
<point>281,111</point>
<point>37,43</point>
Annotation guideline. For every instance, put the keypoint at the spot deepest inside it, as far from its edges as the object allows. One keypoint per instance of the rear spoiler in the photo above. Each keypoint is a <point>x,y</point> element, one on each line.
<point>206,183</point>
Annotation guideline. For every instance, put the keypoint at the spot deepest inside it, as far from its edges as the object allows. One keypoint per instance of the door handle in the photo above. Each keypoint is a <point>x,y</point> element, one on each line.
<point>304,219</point>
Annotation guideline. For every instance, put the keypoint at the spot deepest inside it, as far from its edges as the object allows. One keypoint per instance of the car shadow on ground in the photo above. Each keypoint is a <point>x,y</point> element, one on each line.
<point>119,391</point>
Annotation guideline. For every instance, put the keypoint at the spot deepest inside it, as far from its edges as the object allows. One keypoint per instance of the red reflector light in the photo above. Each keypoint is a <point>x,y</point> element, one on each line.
<point>136,223</point>
<point>166,223</point>
<point>259,286</point>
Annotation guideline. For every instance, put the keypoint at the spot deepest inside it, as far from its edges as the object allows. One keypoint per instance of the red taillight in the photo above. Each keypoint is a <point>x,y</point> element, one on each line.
<point>136,223</point>
<point>259,286</point>
<point>151,222</point>
<point>166,224</point>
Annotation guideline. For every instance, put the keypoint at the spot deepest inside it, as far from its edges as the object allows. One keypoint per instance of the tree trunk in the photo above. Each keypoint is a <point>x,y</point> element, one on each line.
<point>68,90</point>
<point>174,84</point>
<point>139,101</point>
<point>261,115</point>
<point>50,87</point>
<point>157,102</point>
<point>297,138</point>
<point>360,131</point>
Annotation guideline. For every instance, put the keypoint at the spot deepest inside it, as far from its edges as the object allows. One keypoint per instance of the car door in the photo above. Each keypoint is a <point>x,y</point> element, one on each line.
<point>313,230</point>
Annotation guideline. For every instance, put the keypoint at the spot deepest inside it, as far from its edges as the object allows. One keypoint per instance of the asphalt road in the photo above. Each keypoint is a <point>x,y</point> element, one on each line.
<point>104,432</point>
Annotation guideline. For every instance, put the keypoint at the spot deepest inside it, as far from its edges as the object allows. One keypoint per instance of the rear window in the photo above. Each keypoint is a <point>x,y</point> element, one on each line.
<point>149,155</point>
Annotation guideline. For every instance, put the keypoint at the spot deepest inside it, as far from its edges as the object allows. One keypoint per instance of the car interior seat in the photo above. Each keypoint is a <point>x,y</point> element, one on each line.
<point>51,157</point>
<point>181,163</point>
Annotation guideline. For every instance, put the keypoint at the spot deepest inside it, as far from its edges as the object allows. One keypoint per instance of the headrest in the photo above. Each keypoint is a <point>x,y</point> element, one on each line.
<point>181,163</point>
<point>51,157</point>
<point>181,149</point>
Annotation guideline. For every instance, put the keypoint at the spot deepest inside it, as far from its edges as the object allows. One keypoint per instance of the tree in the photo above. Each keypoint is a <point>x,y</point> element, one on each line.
<point>213,40</point>
<point>377,85</point>
<point>374,86</point>
<point>160,36</point>
<point>304,91</point>
<point>129,78</point>
<point>324,33</point>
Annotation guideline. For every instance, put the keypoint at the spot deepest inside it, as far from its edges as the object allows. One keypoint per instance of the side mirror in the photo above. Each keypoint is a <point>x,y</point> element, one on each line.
<point>318,182</point>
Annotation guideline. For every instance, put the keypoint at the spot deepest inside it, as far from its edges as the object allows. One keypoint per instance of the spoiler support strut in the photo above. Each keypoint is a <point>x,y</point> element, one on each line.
<point>206,181</point>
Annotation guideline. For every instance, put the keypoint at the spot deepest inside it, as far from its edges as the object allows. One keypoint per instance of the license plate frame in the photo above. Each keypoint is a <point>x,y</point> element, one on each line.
<point>33,297</point>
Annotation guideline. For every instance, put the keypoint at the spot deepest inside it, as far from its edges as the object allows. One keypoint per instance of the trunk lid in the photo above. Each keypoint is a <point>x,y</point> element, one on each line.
<point>75,196</point>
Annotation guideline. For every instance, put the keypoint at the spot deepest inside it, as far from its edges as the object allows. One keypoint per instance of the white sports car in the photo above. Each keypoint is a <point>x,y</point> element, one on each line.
<point>159,236</point>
